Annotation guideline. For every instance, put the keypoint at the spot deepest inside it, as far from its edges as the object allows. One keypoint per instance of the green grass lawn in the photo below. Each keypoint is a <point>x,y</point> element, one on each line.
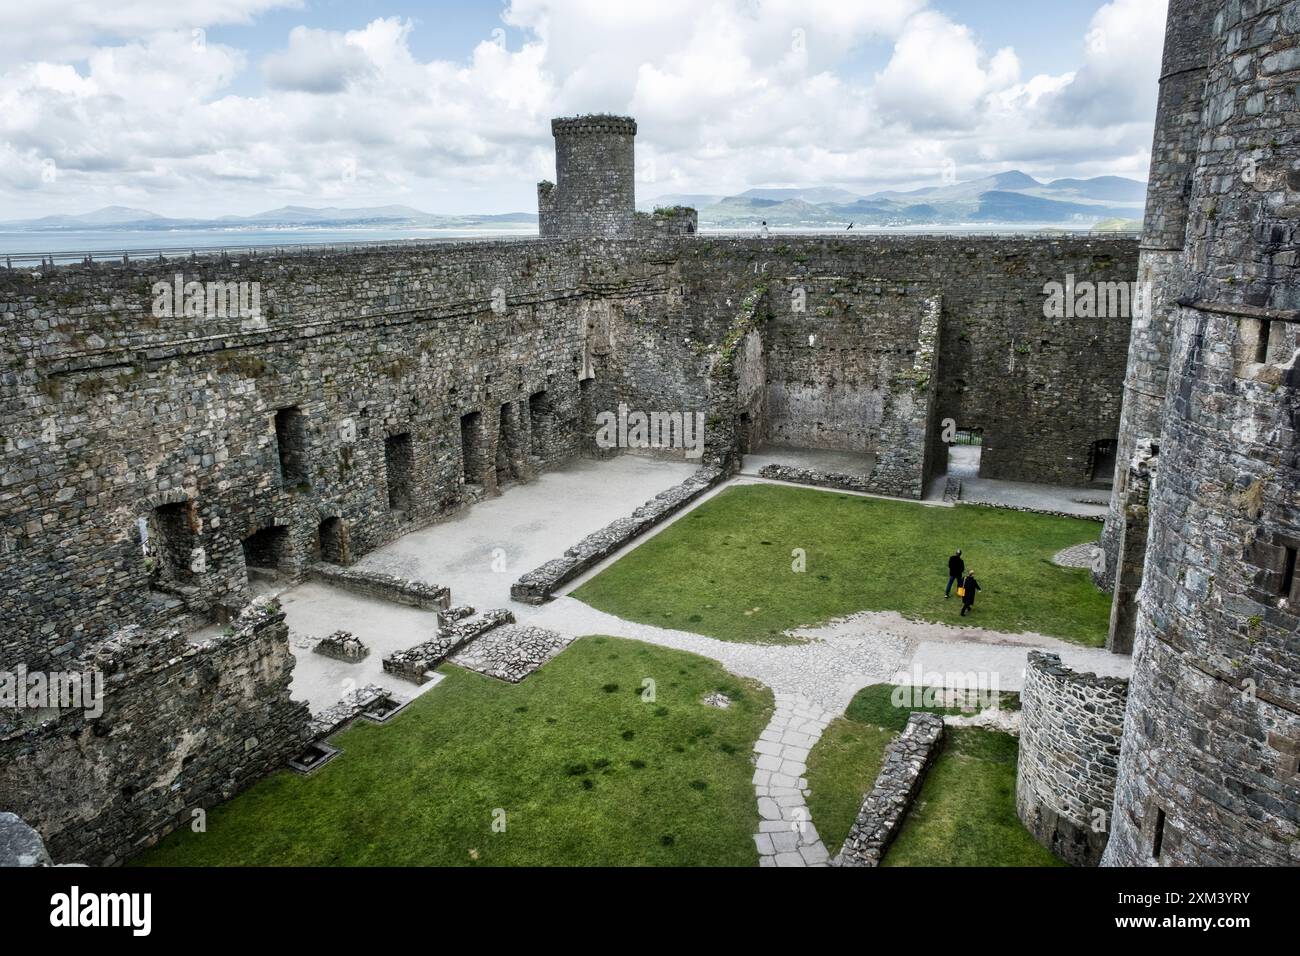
<point>842,767</point>
<point>586,771</point>
<point>965,814</point>
<point>725,569</point>
<point>845,761</point>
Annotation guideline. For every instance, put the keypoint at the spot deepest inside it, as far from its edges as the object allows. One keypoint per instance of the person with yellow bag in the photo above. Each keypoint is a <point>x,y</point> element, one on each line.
<point>956,567</point>
<point>966,591</point>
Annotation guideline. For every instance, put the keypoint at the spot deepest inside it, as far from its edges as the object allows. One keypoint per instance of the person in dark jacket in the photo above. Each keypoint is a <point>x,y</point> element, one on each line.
<point>956,567</point>
<point>968,599</point>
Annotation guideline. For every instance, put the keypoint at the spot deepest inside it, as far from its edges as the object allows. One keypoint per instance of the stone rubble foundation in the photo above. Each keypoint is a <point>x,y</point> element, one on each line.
<point>414,663</point>
<point>511,653</point>
<point>342,646</point>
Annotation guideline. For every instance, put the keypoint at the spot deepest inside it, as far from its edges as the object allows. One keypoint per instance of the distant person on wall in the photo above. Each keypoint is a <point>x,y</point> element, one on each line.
<point>956,568</point>
<point>763,231</point>
<point>967,592</point>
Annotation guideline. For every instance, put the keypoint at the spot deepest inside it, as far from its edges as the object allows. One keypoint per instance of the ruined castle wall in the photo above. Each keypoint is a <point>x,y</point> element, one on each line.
<point>833,369</point>
<point>1044,390</point>
<point>854,372</point>
<point>404,383</point>
<point>1208,770</point>
<point>1070,732</point>
<point>112,415</point>
<point>643,354</point>
<point>183,728</point>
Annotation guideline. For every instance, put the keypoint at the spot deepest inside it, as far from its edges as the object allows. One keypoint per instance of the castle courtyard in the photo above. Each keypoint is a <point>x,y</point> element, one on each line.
<point>691,517</point>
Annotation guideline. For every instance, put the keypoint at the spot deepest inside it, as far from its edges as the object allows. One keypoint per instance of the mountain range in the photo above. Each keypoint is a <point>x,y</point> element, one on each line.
<point>124,217</point>
<point>1009,197</point>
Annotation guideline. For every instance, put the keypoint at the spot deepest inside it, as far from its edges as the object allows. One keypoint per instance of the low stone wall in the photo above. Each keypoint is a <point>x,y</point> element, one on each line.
<point>538,585</point>
<point>351,707</point>
<point>1100,519</point>
<point>385,587</point>
<point>451,615</point>
<point>1070,728</point>
<point>907,758</point>
<point>183,727</point>
<point>818,479</point>
<point>414,662</point>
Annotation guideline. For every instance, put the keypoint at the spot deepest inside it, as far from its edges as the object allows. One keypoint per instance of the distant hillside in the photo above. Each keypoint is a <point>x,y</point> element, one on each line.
<point>120,217</point>
<point>1011,197</point>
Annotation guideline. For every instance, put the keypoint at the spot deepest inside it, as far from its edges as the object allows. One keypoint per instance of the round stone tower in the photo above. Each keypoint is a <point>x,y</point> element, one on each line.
<point>1173,158</point>
<point>594,193</point>
<point>1208,769</point>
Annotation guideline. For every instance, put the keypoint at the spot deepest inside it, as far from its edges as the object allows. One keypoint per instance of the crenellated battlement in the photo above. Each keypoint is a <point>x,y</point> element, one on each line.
<point>603,124</point>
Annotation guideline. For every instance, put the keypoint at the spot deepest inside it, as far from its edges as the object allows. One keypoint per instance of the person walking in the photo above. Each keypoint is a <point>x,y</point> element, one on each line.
<point>967,591</point>
<point>956,567</point>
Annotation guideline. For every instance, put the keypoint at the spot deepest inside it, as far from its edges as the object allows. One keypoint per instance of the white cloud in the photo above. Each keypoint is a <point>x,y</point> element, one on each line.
<point>316,61</point>
<point>1117,82</point>
<point>728,93</point>
<point>72,29</point>
<point>938,78</point>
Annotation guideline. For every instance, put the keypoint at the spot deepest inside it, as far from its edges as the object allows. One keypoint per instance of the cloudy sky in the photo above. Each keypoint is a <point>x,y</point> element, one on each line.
<point>210,107</point>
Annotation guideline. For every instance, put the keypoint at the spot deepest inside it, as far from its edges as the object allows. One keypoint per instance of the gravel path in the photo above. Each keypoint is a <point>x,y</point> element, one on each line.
<point>1080,556</point>
<point>827,671</point>
<point>834,661</point>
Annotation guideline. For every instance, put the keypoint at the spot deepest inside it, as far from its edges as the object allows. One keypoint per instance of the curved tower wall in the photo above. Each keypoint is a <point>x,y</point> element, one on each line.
<point>1173,157</point>
<point>595,179</point>
<point>1208,767</point>
<point>1070,729</point>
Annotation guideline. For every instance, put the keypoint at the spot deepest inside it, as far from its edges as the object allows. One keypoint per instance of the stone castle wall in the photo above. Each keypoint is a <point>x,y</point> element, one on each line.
<point>381,390</point>
<point>1173,152</point>
<point>1208,771</point>
<point>1043,390</point>
<point>417,382</point>
<point>1070,730</point>
<point>183,728</point>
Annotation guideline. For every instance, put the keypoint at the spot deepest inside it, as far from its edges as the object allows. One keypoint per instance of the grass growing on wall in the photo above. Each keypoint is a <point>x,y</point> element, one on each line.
<point>586,770</point>
<point>725,569</point>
